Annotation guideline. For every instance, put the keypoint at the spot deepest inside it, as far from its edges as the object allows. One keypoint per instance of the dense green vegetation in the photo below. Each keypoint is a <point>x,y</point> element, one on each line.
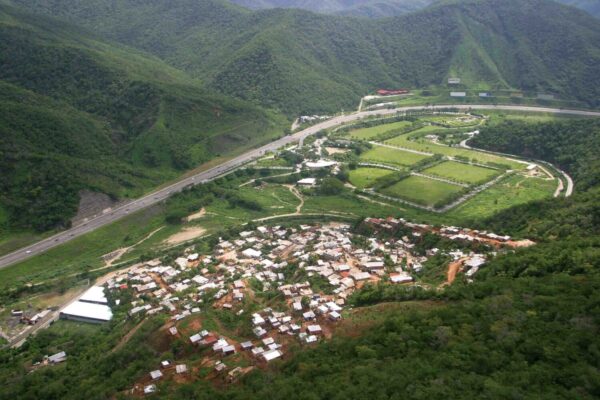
<point>302,62</point>
<point>78,113</point>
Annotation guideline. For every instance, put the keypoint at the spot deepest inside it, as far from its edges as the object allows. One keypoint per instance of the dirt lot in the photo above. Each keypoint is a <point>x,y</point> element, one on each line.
<point>185,235</point>
<point>335,150</point>
<point>197,215</point>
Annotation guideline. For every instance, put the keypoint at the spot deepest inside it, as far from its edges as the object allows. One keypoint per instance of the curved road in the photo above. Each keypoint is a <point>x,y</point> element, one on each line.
<point>162,194</point>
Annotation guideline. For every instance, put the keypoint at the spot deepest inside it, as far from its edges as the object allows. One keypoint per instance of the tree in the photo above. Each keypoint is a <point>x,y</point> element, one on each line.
<point>331,186</point>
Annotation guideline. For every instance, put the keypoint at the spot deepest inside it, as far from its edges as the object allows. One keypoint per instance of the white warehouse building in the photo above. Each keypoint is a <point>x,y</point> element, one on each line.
<point>91,307</point>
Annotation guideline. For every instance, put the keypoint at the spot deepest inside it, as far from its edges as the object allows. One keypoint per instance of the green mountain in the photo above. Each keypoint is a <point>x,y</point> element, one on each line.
<point>377,8</point>
<point>76,112</point>
<point>591,6</point>
<point>302,62</point>
<point>357,8</point>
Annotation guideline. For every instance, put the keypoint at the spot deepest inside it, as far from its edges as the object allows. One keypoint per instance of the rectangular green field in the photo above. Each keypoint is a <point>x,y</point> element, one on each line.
<point>509,192</point>
<point>422,190</point>
<point>462,172</point>
<point>370,133</point>
<point>386,155</point>
<point>365,177</point>
<point>427,146</point>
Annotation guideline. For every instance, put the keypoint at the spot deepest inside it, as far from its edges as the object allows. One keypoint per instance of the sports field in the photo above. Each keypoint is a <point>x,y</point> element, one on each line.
<point>422,190</point>
<point>365,177</point>
<point>462,172</point>
<point>370,133</point>
<point>386,155</point>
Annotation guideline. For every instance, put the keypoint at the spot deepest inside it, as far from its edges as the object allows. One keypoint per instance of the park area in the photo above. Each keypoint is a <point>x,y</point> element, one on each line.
<point>370,133</point>
<point>365,177</point>
<point>418,142</point>
<point>387,155</point>
<point>511,191</point>
<point>427,192</point>
<point>461,172</point>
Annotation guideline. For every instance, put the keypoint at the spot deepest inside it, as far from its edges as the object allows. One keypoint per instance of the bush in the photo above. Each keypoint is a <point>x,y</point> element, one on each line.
<point>331,186</point>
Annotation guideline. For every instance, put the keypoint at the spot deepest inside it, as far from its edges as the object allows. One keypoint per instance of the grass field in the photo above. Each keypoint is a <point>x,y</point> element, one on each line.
<point>422,190</point>
<point>369,133</point>
<point>509,192</point>
<point>386,155</point>
<point>423,145</point>
<point>349,205</point>
<point>462,172</point>
<point>365,177</point>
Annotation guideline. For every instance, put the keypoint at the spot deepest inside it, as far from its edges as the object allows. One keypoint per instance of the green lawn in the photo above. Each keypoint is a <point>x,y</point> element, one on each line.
<point>386,155</point>
<point>422,190</point>
<point>462,172</point>
<point>427,146</point>
<point>349,204</point>
<point>369,133</point>
<point>365,177</point>
<point>509,192</point>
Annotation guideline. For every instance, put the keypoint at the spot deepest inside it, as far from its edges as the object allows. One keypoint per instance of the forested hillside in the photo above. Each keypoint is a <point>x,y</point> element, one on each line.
<point>591,6</point>
<point>302,62</point>
<point>79,113</point>
<point>377,8</point>
<point>357,8</point>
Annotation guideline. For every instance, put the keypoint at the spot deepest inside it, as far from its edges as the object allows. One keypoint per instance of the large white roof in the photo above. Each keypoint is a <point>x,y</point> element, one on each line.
<point>95,294</point>
<point>271,355</point>
<point>320,164</point>
<point>88,310</point>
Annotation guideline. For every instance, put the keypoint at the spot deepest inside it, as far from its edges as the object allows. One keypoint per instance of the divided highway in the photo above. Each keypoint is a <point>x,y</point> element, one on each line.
<point>162,194</point>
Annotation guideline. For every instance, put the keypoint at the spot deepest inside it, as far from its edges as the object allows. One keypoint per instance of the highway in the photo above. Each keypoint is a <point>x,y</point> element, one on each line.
<point>210,174</point>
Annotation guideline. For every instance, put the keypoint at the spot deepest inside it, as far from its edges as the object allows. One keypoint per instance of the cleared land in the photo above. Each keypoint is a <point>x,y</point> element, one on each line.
<point>370,133</point>
<point>423,145</point>
<point>509,192</point>
<point>365,177</point>
<point>462,172</point>
<point>422,190</point>
<point>386,155</point>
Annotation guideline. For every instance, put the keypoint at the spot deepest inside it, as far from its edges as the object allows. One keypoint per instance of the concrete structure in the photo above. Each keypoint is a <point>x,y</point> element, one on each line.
<point>94,295</point>
<point>320,164</point>
<point>307,182</point>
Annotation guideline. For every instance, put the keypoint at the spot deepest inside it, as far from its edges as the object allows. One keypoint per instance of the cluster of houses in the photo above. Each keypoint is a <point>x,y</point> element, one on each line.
<point>326,253</point>
<point>451,232</point>
<point>312,270</point>
<point>166,368</point>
